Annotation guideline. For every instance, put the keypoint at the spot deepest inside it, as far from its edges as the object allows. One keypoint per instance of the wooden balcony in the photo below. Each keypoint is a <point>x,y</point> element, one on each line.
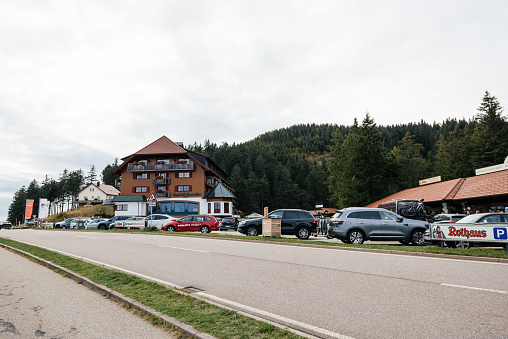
<point>153,167</point>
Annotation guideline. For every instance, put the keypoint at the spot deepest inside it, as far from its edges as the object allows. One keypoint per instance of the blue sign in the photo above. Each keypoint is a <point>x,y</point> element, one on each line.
<point>500,233</point>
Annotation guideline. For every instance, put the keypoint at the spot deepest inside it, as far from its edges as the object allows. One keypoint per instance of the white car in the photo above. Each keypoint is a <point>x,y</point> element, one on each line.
<point>93,224</point>
<point>158,220</point>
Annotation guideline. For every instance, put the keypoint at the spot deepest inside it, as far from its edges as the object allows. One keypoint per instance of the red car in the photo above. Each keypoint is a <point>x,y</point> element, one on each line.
<point>202,223</point>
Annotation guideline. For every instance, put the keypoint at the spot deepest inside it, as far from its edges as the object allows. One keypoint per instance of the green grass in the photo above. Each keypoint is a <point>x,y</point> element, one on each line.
<point>474,251</point>
<point>205,317</point>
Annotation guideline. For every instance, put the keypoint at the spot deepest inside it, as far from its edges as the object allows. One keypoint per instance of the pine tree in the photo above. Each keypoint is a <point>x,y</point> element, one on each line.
<point>489,142</point>
<point>452,158</point>
<point>409,160</point>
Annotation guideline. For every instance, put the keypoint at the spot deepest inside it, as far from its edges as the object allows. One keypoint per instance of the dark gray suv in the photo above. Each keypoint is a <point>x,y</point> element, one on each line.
<point>354,225</point>
<point>293,222</point>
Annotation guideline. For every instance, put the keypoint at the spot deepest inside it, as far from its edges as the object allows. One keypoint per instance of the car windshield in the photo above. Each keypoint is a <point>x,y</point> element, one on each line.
<point>469,219</point>
<point>276,214</point>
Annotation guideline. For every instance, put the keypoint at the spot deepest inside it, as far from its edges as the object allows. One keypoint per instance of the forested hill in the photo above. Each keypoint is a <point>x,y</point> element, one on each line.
<point>288,167</point>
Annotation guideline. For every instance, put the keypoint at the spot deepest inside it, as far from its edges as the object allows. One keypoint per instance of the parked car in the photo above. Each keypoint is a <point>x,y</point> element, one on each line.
<point>67,223</point>
<point>481,219</point>
<point>354,225</point>
<point>228,223</point>
<point>202,223</point>
<point>6,225</point>
<point>110,223</point>
<point>447,218</point>
<point>293,222</point>
<point>158,220</point>
<point>94,224</point>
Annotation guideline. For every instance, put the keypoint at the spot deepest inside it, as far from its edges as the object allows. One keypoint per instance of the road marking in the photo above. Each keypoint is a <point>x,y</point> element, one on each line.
<point>474,288</point>
<point>185,249</point>
<point>273,317</point>
<point>82,236</point>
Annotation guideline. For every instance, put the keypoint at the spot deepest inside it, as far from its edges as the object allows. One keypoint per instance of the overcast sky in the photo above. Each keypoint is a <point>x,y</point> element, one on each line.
<point>85,82</point>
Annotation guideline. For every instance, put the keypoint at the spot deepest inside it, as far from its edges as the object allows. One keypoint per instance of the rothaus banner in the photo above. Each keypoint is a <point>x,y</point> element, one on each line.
<point>43,208</point>
<point>470,232</point>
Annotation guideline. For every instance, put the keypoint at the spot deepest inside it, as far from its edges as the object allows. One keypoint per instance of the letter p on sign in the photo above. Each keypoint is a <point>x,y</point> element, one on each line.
<point>500,233</point>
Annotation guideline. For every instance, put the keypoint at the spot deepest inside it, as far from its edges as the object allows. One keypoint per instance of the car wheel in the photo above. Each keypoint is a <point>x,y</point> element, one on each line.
<point>252,231</point>
<point>459,244</point>
<point>205,229</point>
<point>303,233</point>
<point>355,237</point>
<point>170,228</point>
<point>417,238</point>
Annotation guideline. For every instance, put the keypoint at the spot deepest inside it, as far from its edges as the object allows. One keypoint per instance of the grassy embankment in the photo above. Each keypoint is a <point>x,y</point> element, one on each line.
<point>205,317</point>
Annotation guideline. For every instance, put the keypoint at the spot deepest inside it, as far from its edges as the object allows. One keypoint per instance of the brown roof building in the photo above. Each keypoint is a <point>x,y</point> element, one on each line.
<point>481,192</point>
<point>183,182</point>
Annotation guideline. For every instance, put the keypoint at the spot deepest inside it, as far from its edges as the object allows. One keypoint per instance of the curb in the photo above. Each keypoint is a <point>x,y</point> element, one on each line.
<point>118,297</point>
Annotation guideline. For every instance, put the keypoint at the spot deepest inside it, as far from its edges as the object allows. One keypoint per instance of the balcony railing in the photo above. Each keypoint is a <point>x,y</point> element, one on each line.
<point>162,194</point>
<point>151,166</point>
<point>161,181</point>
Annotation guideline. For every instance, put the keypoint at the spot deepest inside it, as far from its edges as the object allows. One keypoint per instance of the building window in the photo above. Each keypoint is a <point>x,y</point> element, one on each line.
<point>123,207</point>
<point>161,188</point>
<point>183,188</point>
<point>141,189</point>
<point>141,176</point>
<point>179,207</point>
<point>183,175</point>
<point>161,174</point>
<point>91,189</point>
<point>216,207</point>
<point>193,207</point>
<point>209,208</point>
<point>226,207</point>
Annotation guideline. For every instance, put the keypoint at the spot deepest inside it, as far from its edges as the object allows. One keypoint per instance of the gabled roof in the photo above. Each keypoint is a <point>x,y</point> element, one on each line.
<point>163,145</point>
<point>457,189</point>
<point>106,189</point>
<point>219,191</point>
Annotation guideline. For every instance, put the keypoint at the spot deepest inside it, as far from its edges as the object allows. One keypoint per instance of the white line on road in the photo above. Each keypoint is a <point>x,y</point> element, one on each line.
<point>474,288</point>
<point>272,317</point>
<point>82,236</point>
<point>185,249</point>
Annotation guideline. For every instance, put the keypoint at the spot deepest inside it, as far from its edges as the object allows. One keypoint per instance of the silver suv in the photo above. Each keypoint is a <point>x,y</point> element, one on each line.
<point>354,225</point>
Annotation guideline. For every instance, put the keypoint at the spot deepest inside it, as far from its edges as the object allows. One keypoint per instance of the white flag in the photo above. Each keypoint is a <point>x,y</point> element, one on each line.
<point>43,208</point>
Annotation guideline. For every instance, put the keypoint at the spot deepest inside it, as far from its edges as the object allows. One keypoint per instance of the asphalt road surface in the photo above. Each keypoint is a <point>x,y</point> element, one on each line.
<point>36,302</point>
<point>329,292</point>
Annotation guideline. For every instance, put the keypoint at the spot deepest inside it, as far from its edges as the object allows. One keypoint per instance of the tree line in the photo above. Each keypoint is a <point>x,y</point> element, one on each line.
<point>67,185</point>
<point>339,166</point>
<point>327,164</point>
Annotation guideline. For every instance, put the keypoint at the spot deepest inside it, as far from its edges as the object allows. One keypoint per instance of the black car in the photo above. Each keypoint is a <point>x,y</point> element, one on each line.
<point>228,223</point>
<point>5,224</point>
<point>293,222</point>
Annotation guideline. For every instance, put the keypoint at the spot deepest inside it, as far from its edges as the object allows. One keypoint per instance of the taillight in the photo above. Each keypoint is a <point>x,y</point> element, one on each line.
<point>337,222</point>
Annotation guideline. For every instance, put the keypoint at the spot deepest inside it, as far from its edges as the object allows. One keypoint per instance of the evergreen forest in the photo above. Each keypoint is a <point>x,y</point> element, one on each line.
<point>332,165</point>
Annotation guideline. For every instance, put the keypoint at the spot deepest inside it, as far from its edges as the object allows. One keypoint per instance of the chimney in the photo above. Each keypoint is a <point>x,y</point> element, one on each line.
<point>179,143</point>
<point>98,184</point>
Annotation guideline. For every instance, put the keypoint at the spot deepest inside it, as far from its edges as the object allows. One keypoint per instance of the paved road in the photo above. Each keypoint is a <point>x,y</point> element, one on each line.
<point>340,292</point>
<point>36,302</point>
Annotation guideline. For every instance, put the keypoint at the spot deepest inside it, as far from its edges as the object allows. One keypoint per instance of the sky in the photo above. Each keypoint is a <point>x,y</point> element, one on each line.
<point>85,82</point>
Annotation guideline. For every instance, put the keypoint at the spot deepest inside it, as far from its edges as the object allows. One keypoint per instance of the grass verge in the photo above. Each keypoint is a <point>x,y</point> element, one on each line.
<point>205,317</point>
<point>485,252</point>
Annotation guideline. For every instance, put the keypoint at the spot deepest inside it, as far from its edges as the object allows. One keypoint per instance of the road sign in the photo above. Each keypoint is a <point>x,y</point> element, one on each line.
<point>152,198</point>
<point>152,204</point>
